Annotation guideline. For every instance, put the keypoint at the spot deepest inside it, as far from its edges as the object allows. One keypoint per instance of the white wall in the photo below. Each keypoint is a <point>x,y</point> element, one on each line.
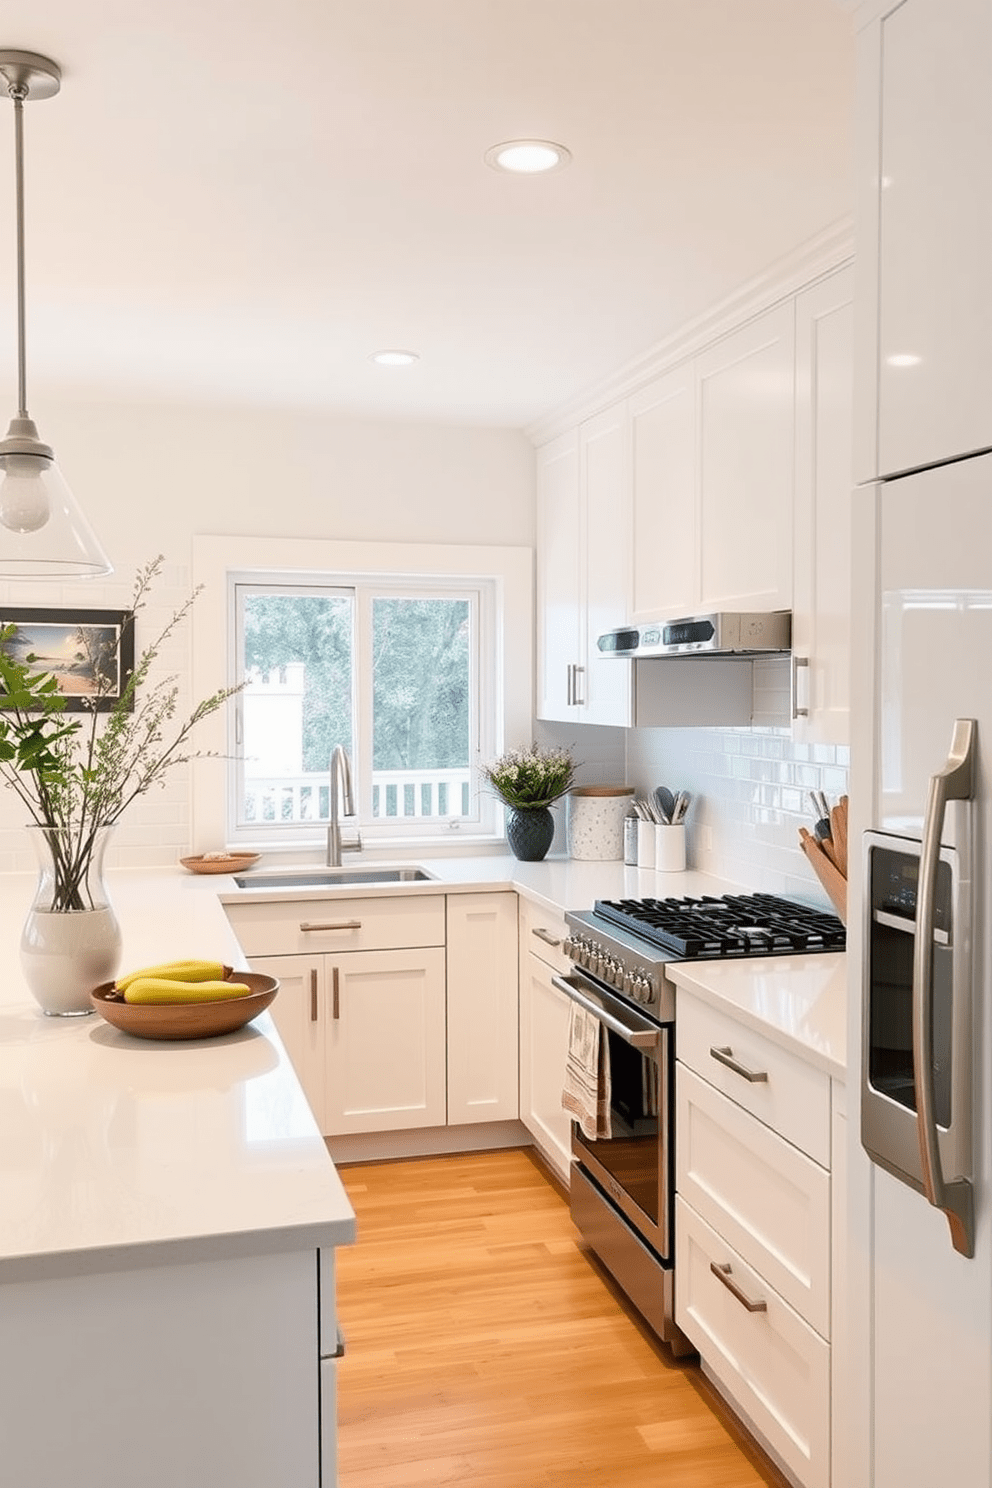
<point>150,476</point>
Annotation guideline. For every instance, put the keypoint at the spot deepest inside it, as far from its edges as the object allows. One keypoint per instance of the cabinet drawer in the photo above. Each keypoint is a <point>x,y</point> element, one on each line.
<point>542,934</point>
<point>793,1097</point>
<point>769,1362</point>
<point>769,1200</point>
<point>290,926</point>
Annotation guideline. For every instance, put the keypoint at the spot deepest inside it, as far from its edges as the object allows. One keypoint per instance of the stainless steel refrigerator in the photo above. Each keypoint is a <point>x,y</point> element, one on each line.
<point>920,1030</point>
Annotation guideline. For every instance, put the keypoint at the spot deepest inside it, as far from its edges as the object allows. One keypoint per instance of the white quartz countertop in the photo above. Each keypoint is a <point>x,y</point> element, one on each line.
<point>117,1151</point>
<point>796,1001</point>
<point>114,1148</point>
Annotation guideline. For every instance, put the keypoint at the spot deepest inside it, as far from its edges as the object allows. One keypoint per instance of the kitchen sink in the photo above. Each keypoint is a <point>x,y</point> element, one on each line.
<point>329,878</point>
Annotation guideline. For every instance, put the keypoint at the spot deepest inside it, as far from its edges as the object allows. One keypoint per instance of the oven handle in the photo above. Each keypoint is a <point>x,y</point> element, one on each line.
<point>640,1035</point>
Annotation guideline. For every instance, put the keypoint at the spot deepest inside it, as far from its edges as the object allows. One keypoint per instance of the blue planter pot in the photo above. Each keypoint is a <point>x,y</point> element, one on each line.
<point>529,833</point>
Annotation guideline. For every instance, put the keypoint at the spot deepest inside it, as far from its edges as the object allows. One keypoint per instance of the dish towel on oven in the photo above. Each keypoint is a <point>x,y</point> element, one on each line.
<point>586,1092</point>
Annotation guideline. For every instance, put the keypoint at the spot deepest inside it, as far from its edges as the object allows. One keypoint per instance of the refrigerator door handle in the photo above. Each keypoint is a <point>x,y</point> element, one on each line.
<point>955,782</point>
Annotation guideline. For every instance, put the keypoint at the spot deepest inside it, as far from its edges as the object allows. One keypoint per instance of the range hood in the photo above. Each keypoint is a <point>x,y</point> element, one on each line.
<point>724,634</point>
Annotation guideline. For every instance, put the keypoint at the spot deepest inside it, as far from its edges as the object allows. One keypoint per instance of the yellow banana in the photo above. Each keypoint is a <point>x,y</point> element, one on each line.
<point>176,971</point>
<point>162,989</point>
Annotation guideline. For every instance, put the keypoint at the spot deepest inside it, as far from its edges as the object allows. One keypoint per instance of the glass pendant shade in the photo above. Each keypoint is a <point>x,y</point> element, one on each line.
<point>43,533</point>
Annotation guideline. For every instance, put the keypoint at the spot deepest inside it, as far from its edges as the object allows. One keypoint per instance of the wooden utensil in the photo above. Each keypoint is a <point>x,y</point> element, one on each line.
<point>826,871</point>
<point>838,832</point>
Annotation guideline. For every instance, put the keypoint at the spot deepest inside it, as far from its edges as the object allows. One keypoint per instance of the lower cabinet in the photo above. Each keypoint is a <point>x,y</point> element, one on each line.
<point>753,1230</point>
<point>411,1036</point>
<point>543,1034</point>
<point>219,1371</point>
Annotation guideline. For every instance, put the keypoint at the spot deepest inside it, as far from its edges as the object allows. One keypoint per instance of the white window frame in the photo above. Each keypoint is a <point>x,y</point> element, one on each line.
<point>509,571</point>
<point>363,590</point>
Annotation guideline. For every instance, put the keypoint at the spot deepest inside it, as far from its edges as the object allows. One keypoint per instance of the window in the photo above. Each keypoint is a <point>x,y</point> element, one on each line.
<point>399,672</point>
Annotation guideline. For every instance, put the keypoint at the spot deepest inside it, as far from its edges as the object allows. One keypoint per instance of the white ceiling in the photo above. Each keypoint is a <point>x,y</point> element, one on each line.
<point>242,200</point>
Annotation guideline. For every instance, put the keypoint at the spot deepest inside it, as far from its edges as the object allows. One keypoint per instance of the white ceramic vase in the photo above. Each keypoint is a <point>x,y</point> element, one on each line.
<point>71,941</point>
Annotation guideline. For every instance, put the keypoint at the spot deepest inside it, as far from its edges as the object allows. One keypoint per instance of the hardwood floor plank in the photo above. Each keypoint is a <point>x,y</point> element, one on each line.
<point>487,1349</point>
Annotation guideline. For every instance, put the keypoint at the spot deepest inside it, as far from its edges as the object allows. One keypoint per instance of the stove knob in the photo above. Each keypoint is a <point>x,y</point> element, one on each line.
<point>570,947</point>
<point>614,972</point>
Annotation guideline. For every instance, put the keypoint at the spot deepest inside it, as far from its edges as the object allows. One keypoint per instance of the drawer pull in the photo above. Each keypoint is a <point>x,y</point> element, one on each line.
<point>313,995</point>
<point>335,994</point>
<point>340,1346</point>
<point>722,1273</point>
<point>725,1055</point>
<point>330,925</point>
<point>548,939</point>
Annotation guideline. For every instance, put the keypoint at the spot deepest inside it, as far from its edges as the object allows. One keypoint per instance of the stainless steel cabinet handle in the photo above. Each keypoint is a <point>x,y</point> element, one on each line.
<point>313,994</point>
<point>725,1055</point>
<point>550,940</point>
<point>335,994</point>
<point>642,1036</point>
<point>306,925</point>
<point>723,1273</point>
<point>799,662</point>
<point>577,698</point>
<point>339,1351</point>
<point>955,782</point>
<point>570,685</point>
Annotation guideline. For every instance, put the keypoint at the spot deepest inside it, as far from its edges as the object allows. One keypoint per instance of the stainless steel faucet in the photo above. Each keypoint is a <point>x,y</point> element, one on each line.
<point>342,803</point>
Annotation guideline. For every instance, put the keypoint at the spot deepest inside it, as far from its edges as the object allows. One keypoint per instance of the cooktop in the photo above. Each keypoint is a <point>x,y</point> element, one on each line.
<point>711,928</point>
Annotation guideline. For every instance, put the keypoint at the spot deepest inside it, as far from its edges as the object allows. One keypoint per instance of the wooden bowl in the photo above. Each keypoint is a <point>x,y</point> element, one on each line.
<point>186,1020</point>
<point>232,863</point>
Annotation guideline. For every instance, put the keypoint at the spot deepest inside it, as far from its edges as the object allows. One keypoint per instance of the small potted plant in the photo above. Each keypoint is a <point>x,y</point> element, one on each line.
<point>75,777</point>
<point>528,782</point>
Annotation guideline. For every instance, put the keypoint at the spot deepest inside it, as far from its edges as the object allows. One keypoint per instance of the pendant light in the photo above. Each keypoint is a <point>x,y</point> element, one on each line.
<point>43,534</point>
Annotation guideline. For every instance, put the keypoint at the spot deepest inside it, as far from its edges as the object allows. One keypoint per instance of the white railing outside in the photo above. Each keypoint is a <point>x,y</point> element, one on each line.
<point>404,794</point>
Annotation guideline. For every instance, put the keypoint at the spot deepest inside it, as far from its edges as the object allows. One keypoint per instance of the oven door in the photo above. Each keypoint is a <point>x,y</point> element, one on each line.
<point>634,1165</point>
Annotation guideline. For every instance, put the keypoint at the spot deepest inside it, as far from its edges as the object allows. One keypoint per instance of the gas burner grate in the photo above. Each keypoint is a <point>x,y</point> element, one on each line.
<point>712,928</point>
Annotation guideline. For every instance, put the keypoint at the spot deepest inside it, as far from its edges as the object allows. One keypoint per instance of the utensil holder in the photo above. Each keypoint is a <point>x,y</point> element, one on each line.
<point>646,850</point>
<point>669,850</point>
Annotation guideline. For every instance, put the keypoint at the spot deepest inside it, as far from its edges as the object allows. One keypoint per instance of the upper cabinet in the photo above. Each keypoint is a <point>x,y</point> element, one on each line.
<point>583,520</point>
<point>822,586</point>
<point>925,210</point>
<point>745,400</point>
<point>712,467</point>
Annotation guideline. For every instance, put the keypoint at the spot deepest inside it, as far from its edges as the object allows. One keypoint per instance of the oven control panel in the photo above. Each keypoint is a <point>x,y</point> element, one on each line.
<point>635,982</point>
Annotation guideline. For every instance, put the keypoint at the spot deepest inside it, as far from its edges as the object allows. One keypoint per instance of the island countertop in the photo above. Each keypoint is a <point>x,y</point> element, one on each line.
<point>122,1151</point>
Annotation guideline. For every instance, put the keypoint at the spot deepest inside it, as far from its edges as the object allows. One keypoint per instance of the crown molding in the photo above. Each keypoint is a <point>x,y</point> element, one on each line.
<point>811,261</point>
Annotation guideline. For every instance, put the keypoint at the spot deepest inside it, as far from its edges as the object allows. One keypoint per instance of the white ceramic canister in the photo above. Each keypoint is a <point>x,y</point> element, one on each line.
<point>594,821</point>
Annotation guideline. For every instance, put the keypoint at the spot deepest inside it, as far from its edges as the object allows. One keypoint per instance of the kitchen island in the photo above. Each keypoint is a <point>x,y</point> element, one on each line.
<point>168,1221</point>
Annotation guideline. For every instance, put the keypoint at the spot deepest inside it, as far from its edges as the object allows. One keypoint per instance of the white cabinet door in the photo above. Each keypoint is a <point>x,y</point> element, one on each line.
<point>745,403</point>
<point>560,633</point>
<point>583,570</point>
<point>482,1007</point>
<point>665,523</point>
<point>934,202</point>
<point>603,686</point>
<point>821,616</point>
<point>300,1015</point>
<point>385,1040</point>
<point>543,1047</point>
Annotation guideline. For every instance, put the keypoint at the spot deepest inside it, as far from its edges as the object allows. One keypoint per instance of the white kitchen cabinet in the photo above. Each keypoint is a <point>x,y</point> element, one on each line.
<point>254,1400</point>
<point>482,1008</point>
<point>584,564</point>
<point>925,209</point>
<point>299,1014</point>
<point>368,1030</point>
<point>745,394</point>
<point>753,1229</point>
<point>417,1027</point>
<point>821,614</point>
<point>544,1013</point>
<point>664,522</point>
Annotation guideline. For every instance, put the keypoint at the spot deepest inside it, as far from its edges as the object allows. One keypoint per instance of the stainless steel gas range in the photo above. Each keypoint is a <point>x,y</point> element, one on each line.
<point>622,1184</point>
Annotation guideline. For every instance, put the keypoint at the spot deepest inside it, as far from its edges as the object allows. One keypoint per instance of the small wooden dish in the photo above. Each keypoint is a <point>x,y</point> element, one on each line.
<point>186,1020</point>
<point>233,863</point>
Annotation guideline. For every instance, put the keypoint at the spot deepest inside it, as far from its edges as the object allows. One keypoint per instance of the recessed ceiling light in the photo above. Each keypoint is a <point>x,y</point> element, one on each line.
<point>527,157</point>
<point>395,358</point>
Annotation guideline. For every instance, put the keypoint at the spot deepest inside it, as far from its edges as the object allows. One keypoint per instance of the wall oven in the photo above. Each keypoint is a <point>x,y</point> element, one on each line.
<point>623,1186</point>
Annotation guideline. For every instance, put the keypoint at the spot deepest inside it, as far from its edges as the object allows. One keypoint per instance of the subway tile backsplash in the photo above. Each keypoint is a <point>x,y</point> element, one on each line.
<point>749,786</point>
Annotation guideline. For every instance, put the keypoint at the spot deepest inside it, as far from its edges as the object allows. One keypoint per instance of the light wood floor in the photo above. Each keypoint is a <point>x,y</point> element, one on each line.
<point>485,1349</point>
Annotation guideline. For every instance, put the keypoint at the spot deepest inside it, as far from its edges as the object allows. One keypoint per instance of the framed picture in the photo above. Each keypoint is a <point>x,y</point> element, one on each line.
<point>90,653</point>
